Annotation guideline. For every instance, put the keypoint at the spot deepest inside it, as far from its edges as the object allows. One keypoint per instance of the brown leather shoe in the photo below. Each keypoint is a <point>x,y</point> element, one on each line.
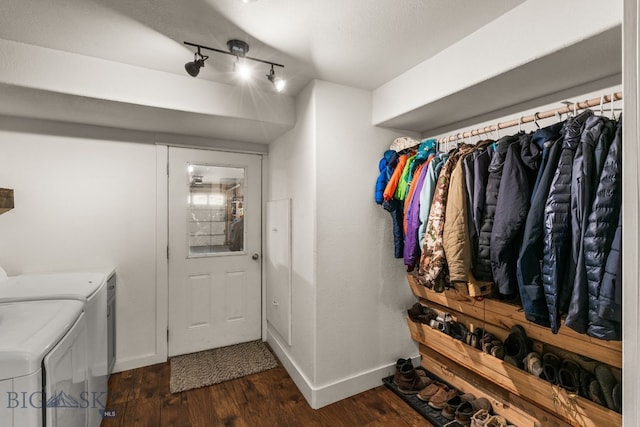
<point>428,392</point>
<point>441,397</point>
<point>401,362</point>
<point>409,381</point>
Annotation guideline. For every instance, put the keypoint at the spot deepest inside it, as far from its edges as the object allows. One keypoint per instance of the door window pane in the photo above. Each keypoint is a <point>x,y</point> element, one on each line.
<point>215,212</point>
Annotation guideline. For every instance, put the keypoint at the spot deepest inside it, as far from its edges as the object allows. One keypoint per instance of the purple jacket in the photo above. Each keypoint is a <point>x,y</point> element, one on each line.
<point>411,244</point>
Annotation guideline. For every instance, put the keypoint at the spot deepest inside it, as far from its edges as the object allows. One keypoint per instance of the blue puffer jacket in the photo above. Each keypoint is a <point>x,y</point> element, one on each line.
<point>557,227</point>
<point>385,166</point>
<point>599,235</point>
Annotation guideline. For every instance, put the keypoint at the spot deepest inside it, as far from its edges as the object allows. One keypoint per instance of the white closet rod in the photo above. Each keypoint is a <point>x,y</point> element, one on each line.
<point>569,108</point>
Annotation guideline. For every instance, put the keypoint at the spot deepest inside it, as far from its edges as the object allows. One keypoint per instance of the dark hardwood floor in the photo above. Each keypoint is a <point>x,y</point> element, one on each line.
<point>141,397</point>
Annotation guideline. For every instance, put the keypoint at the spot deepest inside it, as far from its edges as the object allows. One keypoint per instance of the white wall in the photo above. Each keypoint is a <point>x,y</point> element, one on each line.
<point>349,294</point>
<point>362,291</point>
<point>85,203</point>
<point>292,174</point>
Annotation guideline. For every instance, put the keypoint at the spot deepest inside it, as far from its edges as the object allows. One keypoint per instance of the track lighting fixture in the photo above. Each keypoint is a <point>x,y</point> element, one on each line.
<point>239,49</point>
<point>278,83</point>
<point>193,68</point>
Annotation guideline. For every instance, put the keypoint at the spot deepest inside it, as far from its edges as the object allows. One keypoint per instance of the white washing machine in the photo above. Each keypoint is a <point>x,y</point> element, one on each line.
<point>43,364</point>
<point>91,290</point>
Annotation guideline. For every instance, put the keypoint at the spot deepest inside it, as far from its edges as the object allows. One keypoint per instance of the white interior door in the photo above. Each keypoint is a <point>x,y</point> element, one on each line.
<point>214,249</point>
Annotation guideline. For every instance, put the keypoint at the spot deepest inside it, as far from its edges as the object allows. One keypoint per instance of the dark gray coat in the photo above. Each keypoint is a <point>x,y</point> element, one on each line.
<point>482,268</point>
<point>598,132</point>
<point>599,234</point>
<point>557,261</point>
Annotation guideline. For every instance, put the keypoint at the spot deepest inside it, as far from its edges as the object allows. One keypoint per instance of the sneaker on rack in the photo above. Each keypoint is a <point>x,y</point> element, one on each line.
<point>452,405</point>
<point>496,421</point>
<point>479,418</point>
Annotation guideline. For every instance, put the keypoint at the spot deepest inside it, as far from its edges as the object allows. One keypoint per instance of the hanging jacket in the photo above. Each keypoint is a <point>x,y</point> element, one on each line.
<point>599,234</point>
<point>456,241</point>
<point>426,195</point>
<point>531,251</point>
<point>426,152</point>
<point>518,177</point>
<point>385,166</point>
<point>482,270</point>
<point>557,261</point>
<point>481,164</point>
<point>476,171</point>
<point>411,191</point>
<point>583,186</point>
<point>405,180</point>
<point>610,298</point>
<point>395,207</point>
<point>412,219</point>
<point>392,185</point>
<point>432,260</point>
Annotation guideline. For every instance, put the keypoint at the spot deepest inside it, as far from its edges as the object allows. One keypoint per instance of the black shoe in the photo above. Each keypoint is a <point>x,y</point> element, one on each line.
<point>550,367</point>
<point>458,331</point>
<point>585,382</point>
<point>517,345</point>
<point>569,376</point>
<point>607,382</point>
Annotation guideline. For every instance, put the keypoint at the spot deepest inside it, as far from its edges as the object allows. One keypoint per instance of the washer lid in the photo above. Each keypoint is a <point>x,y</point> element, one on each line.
<point>29,330</point>
<point>52,285</point>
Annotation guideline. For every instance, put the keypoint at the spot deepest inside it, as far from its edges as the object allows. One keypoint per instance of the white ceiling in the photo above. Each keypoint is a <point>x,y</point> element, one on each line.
<point>360,43</point>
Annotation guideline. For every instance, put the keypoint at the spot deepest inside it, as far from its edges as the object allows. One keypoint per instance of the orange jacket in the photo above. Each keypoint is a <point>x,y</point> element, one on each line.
<point>390,189</point>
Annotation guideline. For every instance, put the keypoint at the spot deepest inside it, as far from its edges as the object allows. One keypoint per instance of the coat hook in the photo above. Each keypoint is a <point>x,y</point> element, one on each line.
<point>535,119</point>
<point>613,114</point>
<point>602,105</point>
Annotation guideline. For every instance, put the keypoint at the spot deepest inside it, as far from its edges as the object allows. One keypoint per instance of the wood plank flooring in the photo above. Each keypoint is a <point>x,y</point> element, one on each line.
<point>141,397</point>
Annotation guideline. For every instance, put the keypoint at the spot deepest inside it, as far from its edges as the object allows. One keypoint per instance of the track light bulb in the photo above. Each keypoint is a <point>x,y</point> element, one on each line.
<point>243,69</point>
<point>278,83</point>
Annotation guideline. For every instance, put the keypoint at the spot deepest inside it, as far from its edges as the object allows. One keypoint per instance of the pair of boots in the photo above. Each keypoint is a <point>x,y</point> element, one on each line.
<point>409,379</point>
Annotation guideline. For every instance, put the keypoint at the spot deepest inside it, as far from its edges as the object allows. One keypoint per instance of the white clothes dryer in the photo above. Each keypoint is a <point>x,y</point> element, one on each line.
<point>43,364</point>
<point>91,290</point>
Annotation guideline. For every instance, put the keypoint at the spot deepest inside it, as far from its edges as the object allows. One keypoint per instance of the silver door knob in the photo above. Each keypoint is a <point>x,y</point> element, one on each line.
<point>255,257</point>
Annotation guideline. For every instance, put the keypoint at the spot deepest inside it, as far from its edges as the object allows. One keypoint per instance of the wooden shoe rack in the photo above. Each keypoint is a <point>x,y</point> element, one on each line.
<point>521,397</point>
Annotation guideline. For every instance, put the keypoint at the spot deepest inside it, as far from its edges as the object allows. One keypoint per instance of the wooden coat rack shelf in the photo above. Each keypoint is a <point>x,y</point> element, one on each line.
<point>514,390</point>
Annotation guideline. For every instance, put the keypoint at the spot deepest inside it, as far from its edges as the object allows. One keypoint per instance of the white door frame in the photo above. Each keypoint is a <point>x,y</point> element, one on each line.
<point>162,241</point>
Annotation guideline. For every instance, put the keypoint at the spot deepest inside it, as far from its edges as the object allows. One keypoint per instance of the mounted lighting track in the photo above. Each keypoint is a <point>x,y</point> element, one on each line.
<point>239,49</point>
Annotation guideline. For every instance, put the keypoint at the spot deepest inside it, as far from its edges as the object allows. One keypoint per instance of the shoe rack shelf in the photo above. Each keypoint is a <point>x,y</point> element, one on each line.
<point>551,404</point>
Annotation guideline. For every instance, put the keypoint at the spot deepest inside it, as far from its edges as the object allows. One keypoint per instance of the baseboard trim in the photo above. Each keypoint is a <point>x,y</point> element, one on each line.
<point>317,397</point>
<point>138,362</point>
<point>290,366</point>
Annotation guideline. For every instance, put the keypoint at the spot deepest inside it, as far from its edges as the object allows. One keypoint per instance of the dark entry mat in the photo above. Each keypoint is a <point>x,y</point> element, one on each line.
<point>432,415</point>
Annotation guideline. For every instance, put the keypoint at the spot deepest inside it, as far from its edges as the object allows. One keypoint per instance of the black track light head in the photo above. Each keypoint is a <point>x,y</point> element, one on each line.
<point>193,68</point>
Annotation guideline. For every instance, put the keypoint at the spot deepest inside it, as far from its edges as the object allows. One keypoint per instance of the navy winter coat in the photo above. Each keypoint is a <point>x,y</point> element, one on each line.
<point>531,250</point>
<point>557,261</point>
<point>599,234</point>
<point>518,177</point>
